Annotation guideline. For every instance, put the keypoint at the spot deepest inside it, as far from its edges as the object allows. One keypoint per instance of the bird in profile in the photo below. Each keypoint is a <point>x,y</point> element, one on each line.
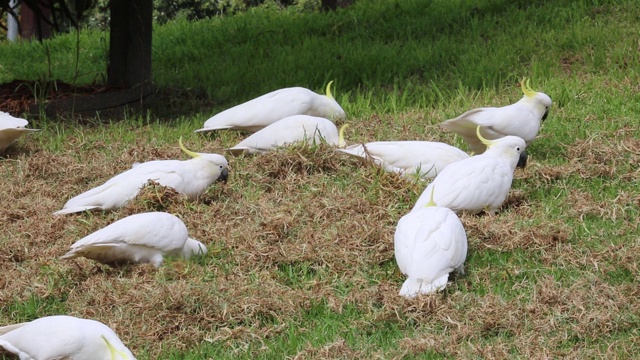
<point>62,337</point>
<point>429,244</point>
<point>521,119</point>
<point>479,183</point>
<point>11,128</point>
<point>139,238</point>
<point>292,129</point>
<point>425,159</point>
<point>188,177</point>
<point>262,111</point>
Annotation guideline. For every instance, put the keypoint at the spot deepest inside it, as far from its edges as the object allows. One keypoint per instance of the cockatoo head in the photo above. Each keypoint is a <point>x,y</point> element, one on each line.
<point>510,147</point>
<point>193,247</point>
<point>217,163</point>
<point>540,101</point>
<point>333,109</point>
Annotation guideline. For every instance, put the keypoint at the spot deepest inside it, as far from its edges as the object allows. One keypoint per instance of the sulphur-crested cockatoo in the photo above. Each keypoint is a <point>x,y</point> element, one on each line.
<point>139,238</point>
<point>297,128</point>
<point>425,158</point>
<point>63,337</point>
<point>481,182</point>
<point>429,243</point>
<point>11,128</point>
<point>189,177</point>
<point>255,114</point>
<point>521,119</point>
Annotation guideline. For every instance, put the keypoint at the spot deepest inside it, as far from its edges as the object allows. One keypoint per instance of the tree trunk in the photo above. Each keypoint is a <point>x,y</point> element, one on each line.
<point>31,26</point>
<point>130,44</point>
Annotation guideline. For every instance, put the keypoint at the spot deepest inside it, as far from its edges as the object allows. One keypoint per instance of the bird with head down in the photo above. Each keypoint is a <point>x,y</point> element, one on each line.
<point>188,177</point>
<point>11,128</point>
<point>63,337</point>
<point>429,244</point>
<point>521,119</point>
<point>139,238</point>
<point>479,183</point>
<point>262,111</point>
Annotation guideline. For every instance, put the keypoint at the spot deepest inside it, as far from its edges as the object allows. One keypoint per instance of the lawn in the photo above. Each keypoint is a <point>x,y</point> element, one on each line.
<point>300,240</point>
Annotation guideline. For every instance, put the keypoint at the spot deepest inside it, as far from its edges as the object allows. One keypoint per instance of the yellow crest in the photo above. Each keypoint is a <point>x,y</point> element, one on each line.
<point>486,142</point>
<point>431,202</point>
<point>341,142</point>
<point>525,84</point>
<point>187,151</point>
<point>328,91</point>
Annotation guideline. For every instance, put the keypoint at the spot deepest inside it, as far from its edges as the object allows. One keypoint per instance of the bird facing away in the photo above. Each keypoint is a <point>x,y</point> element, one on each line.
<point>292,129</point>
<point>139,238</point>
<point>479,183</point>
<point>11,128</point>
<point>62,337</point>
<point>256,114</point>
<point>429,243</point>
<point>521,119</point>
<point>424,158</point>
<point>188,177</point>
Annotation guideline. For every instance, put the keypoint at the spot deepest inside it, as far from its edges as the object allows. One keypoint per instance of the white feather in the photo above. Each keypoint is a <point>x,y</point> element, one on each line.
<point>521,119</point>
<point>287,131</point>
<point>260,112</point>
<point>426,158</point>
<point>481,182</point>
<point>139,238</point>
<point>11,128</point>
<point>429,243</point>
<point>189,177</point>
<point>63,337</point>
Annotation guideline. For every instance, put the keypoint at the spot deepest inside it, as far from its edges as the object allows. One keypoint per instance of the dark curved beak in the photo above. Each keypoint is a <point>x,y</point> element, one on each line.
<point>224,175</point>
<point>546,113</point>
<point>522,161</point>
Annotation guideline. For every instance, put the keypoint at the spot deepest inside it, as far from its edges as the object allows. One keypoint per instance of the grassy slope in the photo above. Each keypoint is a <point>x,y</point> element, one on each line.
<point>303,262</point>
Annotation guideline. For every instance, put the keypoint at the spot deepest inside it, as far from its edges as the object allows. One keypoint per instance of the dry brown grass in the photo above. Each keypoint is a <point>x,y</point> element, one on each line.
<point>330,221</point>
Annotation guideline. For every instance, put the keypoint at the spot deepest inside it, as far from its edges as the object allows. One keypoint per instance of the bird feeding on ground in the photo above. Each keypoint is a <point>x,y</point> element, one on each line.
<point>11,128</point>
<point>260,112</point>
<point>292,129</point>
<point>188,177</point>
<point>429,243</point>
<point>479,183</point>
<point>139,238</point>
<point>521,119</point>
<point>63,337</point>
<point>424,158</point>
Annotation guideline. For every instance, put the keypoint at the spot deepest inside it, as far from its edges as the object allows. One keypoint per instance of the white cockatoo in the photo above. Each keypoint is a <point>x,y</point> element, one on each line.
<point>521,119</point>
<point>481,182</point>
<point>297,128</point>
<point>262,111</point>
<point>139,238</point>
<point>188,177</point>
<point>63,337</point>
<point>424,158</point>
<point>11,128</point>
<point>429,243</point>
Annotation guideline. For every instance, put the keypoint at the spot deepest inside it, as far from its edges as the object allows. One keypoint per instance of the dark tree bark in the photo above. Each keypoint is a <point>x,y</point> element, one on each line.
<point>35,22</point>
<point>130,44</point>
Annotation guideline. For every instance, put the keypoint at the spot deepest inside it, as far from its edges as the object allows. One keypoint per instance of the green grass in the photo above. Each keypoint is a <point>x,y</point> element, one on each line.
<point>303,261</point>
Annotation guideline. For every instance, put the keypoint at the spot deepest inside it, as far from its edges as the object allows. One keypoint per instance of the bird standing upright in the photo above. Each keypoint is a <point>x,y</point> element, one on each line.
<point>479,183</point>
<point>429,243</point>
<point>521,119</point>
<point>262,111</point>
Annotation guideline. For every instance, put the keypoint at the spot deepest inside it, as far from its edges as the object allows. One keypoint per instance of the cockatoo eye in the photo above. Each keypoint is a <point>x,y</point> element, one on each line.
<point>518,148</point>
<point>221,167</point>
